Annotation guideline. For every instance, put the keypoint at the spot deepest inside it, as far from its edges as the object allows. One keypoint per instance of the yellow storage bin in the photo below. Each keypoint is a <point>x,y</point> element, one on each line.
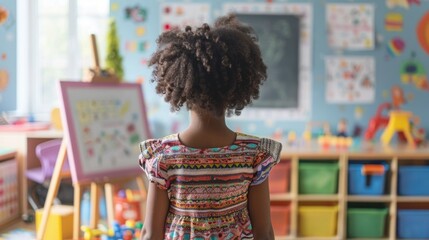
<point>60,222</point>
<point>317,221</point>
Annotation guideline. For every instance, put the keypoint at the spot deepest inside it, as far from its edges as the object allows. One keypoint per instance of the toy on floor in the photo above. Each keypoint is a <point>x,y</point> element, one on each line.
<point>129,231</point>
<point>327,142</point>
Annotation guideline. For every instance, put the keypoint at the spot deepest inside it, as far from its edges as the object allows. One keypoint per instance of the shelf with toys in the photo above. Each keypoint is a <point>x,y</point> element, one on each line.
<point>342,187</point>
<point>371,183</point>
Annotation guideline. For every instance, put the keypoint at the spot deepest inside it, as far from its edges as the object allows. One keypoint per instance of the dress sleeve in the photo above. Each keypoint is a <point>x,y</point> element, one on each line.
<point>268,155</point>
<point>151,161</point>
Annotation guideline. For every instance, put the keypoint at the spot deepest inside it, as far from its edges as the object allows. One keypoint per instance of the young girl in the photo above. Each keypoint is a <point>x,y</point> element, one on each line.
<point>208,182</point>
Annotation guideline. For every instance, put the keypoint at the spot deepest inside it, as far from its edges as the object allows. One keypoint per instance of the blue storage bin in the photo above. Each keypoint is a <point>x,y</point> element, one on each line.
<point>413,181</point>
<point>413,224</point>
<point>360,184</point>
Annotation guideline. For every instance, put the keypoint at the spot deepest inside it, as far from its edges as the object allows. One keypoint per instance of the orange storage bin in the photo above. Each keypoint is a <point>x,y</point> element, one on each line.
<point>280,177</point>
<point>280,218</point>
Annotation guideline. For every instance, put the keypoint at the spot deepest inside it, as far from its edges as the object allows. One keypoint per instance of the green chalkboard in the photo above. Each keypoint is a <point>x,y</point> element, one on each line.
<point>279,40</point>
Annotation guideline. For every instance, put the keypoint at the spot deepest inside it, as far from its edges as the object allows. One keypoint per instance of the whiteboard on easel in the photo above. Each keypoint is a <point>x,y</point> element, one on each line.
<point>103,125</point>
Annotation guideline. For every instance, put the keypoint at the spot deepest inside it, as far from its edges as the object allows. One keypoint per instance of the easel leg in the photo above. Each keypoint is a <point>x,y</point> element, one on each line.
<point>94,205</point>
<point>108,188</point>
<point>76,203</point>
<point>53,190</point>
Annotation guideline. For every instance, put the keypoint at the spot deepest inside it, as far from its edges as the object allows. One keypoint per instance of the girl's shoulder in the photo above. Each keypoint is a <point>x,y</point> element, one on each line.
<point>265,145</point>
<point>152,146</point>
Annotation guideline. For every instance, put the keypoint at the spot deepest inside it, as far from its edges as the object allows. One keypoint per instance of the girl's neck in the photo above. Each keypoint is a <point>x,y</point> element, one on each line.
<point>207,130</point>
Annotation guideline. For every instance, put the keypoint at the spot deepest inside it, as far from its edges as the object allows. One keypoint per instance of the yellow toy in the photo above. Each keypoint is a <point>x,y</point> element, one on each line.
<point>399,121</point>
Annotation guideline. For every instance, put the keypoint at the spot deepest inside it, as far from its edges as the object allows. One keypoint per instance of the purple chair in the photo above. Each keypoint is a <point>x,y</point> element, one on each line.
<point>47,152</point>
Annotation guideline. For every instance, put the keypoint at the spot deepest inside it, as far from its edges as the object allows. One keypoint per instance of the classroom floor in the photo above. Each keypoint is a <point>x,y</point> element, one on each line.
<point>19,230</point>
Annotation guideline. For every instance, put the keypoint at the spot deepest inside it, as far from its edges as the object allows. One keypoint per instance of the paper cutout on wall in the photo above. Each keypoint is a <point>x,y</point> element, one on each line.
<point>358,112</point>
<point>423,32</point>
<point>3,56</point>
<point>350,26</point>
<point>144,61</point>
<point>4,14</point>
<point>395,47</point>
<point>393,22</point>
<point>4,79</point>
<point>398,96</point>
<point>413,72</point>
<point>140,31</point>
<point>136,13</point>
<point>385,94</point>
<point>350,79</point>
<point>131,46</point>
<point>144,46</point>
<point>114,6</point>
<point>180,15</point>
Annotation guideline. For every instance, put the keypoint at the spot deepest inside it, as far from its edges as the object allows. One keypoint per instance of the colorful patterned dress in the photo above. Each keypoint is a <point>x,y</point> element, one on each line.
<point>208,187</point>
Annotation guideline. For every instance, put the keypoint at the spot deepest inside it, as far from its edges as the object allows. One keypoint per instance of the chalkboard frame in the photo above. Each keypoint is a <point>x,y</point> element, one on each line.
<point>272,68</point>
<point>305,11</point>
<point>69,90</point>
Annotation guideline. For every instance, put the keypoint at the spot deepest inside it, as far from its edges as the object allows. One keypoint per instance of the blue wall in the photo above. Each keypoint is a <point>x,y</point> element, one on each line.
<point>8,56</point>
<point>387,71</point>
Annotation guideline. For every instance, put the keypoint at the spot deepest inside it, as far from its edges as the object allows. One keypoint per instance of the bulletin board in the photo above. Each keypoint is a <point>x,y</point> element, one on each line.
<point>104,124</point>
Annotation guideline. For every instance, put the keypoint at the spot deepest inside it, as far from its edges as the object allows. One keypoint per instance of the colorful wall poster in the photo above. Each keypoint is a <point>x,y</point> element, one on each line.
<point>180,15</point>
<point>350,26</point>
<point>350,79</point>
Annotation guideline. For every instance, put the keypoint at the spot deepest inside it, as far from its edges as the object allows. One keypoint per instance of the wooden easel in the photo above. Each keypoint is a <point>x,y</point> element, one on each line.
<point>98,77</point>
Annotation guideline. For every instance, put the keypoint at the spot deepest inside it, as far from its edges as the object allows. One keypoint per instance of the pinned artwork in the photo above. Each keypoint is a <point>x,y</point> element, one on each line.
<point>140,31</point>
<point>131,46</point>
<point>394,22</point>
<point>4,14</point>
<point>423,32</point>
<point>180,15</point>
<point>136,14</point>
<point>114,6</point>
<point>350,79</point>
<point>413,72</point>
<point>4,80</point>
<point>350,26</point>
<point>395,47</point>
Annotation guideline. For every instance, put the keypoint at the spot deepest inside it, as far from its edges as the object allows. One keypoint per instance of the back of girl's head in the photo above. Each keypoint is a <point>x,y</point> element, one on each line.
<point>213,69</point>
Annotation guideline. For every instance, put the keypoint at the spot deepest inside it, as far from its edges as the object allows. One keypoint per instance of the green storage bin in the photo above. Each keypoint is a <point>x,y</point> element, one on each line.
<point>318,178</point>
<point>366,222</point>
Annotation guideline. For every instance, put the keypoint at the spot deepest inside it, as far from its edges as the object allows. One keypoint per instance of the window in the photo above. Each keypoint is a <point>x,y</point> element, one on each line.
<point>59,46</point>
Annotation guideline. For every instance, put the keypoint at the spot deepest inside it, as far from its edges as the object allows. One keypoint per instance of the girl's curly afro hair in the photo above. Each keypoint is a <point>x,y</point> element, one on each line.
<point>218,69</point>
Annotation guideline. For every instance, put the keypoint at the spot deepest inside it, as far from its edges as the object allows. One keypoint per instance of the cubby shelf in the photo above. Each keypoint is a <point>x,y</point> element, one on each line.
<point>394,156</point>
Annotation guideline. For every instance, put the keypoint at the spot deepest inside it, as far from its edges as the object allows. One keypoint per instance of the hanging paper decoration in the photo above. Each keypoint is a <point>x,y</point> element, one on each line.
<point>131,46</point>
<point>4,14</point>
<point>136,13</point>
<point>143,46</point>
<point>3,56</point>
<point>394,22</point>
<point>395,46</point>
<point>413,72</point>
<point>423,32</point>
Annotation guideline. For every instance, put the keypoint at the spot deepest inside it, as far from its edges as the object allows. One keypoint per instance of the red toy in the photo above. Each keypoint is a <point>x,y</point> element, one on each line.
<point>378,121</point>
